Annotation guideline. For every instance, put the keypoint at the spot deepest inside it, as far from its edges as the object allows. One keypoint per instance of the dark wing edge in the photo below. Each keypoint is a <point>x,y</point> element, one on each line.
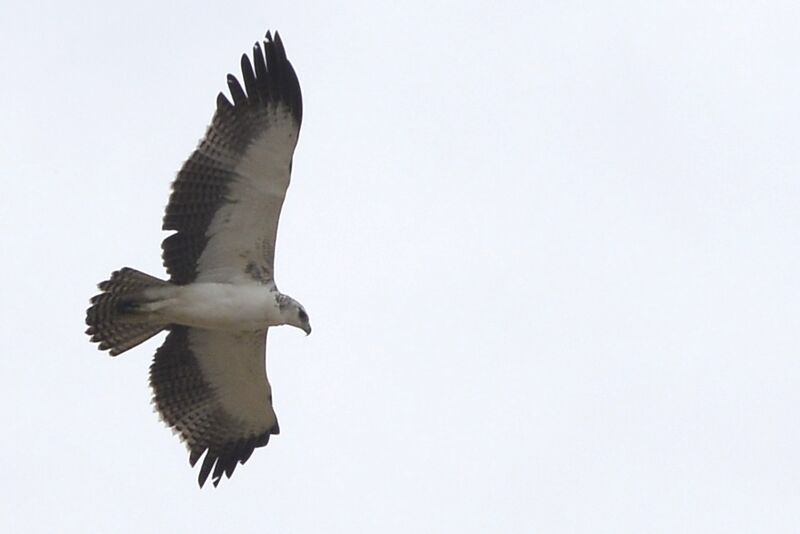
<point>202,183</point>
<point>188,404</point>
<point>272,81</point>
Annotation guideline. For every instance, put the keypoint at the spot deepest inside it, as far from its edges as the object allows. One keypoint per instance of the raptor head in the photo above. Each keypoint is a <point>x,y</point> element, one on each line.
<point>294,313</point>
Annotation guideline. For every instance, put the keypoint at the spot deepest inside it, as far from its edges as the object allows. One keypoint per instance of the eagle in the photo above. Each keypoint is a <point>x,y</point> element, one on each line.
<point>209,377</point>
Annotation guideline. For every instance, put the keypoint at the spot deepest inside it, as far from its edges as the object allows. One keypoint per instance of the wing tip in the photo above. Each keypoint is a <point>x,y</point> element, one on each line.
<point>223,102</point>
<point>219,462</point>
<point>273,78</point>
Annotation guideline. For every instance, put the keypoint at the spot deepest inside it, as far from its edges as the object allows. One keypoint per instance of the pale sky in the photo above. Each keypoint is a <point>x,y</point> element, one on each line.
<point>549,250</point>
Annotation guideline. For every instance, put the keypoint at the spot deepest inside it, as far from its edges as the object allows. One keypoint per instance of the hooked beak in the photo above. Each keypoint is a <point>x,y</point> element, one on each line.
<point>307,330</point>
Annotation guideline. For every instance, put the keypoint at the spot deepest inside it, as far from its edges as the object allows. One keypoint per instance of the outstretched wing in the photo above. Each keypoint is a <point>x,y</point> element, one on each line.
<point>212,388</point>
<point>227,198</point>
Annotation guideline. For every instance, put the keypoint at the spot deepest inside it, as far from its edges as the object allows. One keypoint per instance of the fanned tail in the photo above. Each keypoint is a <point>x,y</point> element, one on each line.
<point>115,319</point>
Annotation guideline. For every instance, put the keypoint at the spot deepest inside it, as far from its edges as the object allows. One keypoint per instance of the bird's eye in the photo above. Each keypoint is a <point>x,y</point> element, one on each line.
<point>303,315</point>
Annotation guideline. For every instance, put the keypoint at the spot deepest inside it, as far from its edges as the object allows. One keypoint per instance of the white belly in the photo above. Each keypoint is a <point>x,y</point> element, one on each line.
<point>219,306</point>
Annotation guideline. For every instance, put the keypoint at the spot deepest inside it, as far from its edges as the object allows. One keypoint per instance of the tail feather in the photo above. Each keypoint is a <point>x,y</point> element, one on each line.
<point>114,318</point>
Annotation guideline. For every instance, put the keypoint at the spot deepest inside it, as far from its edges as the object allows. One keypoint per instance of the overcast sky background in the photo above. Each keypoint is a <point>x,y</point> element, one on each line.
<point>549,250</point>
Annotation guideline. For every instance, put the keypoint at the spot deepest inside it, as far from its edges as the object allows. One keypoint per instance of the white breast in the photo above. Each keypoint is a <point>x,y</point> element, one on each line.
<point>220,306</point>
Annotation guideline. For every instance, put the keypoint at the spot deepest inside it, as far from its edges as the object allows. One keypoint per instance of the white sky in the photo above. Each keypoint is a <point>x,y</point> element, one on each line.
<point>549,249</point>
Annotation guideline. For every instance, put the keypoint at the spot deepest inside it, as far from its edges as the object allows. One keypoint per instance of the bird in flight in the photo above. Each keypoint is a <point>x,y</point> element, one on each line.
<point>209,377</point>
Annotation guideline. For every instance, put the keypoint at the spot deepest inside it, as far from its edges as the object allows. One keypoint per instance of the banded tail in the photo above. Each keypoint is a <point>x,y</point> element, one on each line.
<point>115,319</point>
